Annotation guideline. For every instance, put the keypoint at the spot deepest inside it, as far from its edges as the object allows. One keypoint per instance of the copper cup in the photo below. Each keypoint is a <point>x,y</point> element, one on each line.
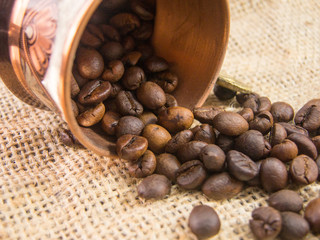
<point>39,38</point>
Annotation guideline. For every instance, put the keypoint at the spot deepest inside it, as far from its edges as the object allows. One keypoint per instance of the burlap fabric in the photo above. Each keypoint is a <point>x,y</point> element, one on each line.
<point>49,191</point>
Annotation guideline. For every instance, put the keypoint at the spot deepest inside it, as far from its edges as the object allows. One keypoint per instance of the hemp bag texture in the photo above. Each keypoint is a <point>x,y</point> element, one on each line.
<point>49,191</point>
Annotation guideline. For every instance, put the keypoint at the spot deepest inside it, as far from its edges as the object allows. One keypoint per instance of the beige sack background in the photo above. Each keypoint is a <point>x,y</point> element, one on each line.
<point>49,191</point>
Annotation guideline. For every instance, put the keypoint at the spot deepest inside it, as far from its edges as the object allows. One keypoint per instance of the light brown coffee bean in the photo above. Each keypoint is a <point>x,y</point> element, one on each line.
<point>91,116</point>
<point>157,137</point>
<point>230,123</point>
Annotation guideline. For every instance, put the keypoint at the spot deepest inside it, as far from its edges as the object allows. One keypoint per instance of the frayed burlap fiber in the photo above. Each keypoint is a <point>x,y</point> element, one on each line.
<point>50,191</point>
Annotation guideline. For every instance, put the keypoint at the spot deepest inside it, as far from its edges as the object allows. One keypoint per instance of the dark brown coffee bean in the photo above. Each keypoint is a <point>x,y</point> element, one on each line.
<point>144,32</point>
<point>127,104</point>
<point>156,64</point>
<point>154,186</point>
<point>294,226</point>
<point>129,44</point>
<point>148,118</point>
<point>113,5</point>
<point>262,122</point>
<point>110,32</point>
<point>308,116</point>
<point>206,114</point>
<point>255,182</point>
<point>304,144</point>
<point>191,175</point>
<point>133,78</point>
<point>286,200</point>
<point>68,139</point>
<point>74,87</point>
<point>190,151</point>
<point>129,125</point>
<point>247,114</point>
<point>151,95</point>
<point>112,51</point>
<point>125,22</point>
<point>221,186</point>
<point>282,112</point>
<point>290,128</point>
<point>92,36</point>
<point>226,143</point>
<point>94,92</point>
<point>157,137</point>
<point>265,223</point>
<point>90,63</point>
<point>115,89</point>
<point>79,79</point>
<point>204,133</point>
<point>230,123</point>
<point>167,80</point>
<point>144,166</point>
<point>178,140</point>
<point>146,51</point>
<point>273,175</point>
<point>131,147</point>
<point>267,149</point>
<point>303,170</point>
<point>242,97</point>
<point>167,165</point>
<point>175,119</point>
<point>277,134</point>
<point>204,222</point>
<point>171,101</point>
<point>74,108</point>
<point>109,122</point>
<point>140,8</point>
<point>258,104</point>
<point>312,215</point>
<point>131,58</point>
<point>91,116</point>
<point>316,142</point>
<point>213,158</point>
<point>241,166</point>
<point>223,93</point>
<point>285,151</point>
<point>113,71</point>
<point>99,16</point>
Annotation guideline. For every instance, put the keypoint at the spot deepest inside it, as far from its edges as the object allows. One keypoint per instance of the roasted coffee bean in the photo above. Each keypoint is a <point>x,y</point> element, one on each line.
<point>144,32</point>
<point>113,71</point>
<point>167,80</point>
<point>290,128</point>
<point>285,151</point>
<point>90,63</point>
<point>256,180</point>
<point>151,95</point>
<point>148,118</point>
<point>113,5</point>
<point>127,104</point>
<point>157,137</point>
<point>131,147</point>
<point>145,165</point>
<point>230,123</point>
<point>91,116</point>
<point>262,122</point>
<point>206,114</point>
<point>131,58</point>
<point>286,200</point>
<point>273,174</point>
<point>267,149</point>
<point>282,112</point>
<point>178,140</point>
<point>74,87</point>
<point>81,81</point>
<point>204,133</point>
<point>74,108</point>
<point>226,143</point>
<point>112,51</point>
<point>68,139</point>
<point>140,8</point>
<point>125,22</point>
<point>129,125</point>
<point>109,122</point>
<point>171,101</point>
<point>316,142</point>
<point>167,165</point>
<point>190,151</point>
<point>146,51</point>
<point>312,215</point>
<point>156,64</point>
<point>191,175</point>
<point>204,222</point>
<point>99,16</point>
<point>242,97</point>
<point>265,223</point>
<point>129,44</point>
<point>82,107</point>
<point>223,93</point>
<point>94,92</point>
<point>308,116</point>
<point>213,158</point>
<point>92,36</point>
<point>304,144</point>
<point>133,78</point>
<point>116,88</point>
<point>277,134</point>
<point>176,119</point>
<point>247,114</point>
<point>294,226</point>
<point>241,166</point>
<point>154,186</point>
<point>303,170</point>
<point>110,32</point>
<point>252,143</point>
<point>258,104</point>
<point>221,186</point>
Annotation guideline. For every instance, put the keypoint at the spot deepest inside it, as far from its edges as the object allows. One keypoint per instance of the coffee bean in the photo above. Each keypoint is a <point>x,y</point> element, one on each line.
<point>112,51</point>
<point>154,186</point>
<point>262,122</point>
<point>113,5</point>
<point>294,226</point>
<point>144,166</point>
<point>213,158</point>
<point>148,118</point>
<point>206,114</point>
<point>81,81</point>
<point>226,143</point>
<point>191,175</point>
<point>277,134</point>
<point>127,104</point>
<point>129,44</point>
<point>247,114</point>
<point>92,36</point>
<point>178,140</point>
<point>265,223</point>
<point>286,200</point>
<point>285,151</point>
<point>167,165</point>
<point>68,139</point>
<point>133,78</point>
<point>125,22</point>
<point>316,142</point>
<point>303,170</point>
<point>204,133</point>
<point>74,108</point>
<point>129,125</point>
<point>99,16</point>
<point>223,93</point>
<point>282,112</point>
<point>94,92</point>
<point>190,151</point>
<point>241,166</point>
<point>312,215</point>
<point>273,175</point>
<point>146,51</point>
<point>255,182</point>
<point>151,95</point>
<point>140,8</point>
<point>204,222</point>
<point>157,137</point>
<point>74,87</point>
<point>131,147</point>
<point>156,64</point>
<point>90,63</point>
<point>258,105</point>
<point>221,186</point>
<point>230,123</point>
<point>110,32</point>
<point>290,128</point>
<point>171,101</point>
<point>91,116</point>
<point>116,88</point>
<point>304,144</point>
<point>242,97</point>
<point>167,80</point>
<point>144,32</point>
<point>175,119</point>
<point>113,71</point>
<point>109,122</point>
<point>131,58</point>
<point>309,115</point>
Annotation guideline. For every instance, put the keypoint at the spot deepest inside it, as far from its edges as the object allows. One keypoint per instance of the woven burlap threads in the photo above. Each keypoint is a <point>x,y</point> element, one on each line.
<point>49,191</point>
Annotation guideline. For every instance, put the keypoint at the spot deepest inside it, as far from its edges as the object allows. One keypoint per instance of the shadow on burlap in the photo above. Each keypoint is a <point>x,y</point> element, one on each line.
<point>49,191</point>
